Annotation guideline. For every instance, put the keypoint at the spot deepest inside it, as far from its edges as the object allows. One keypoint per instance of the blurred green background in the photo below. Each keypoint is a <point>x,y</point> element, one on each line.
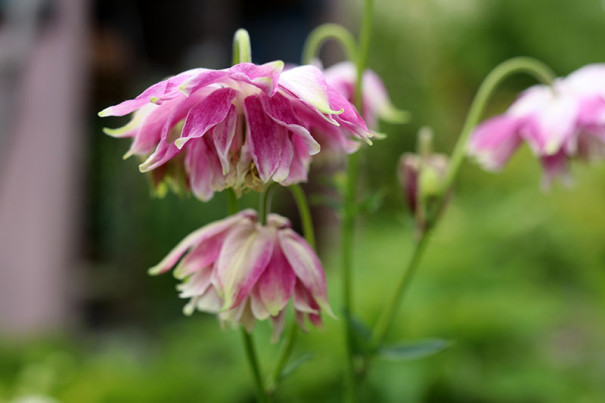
<point>514,276</point>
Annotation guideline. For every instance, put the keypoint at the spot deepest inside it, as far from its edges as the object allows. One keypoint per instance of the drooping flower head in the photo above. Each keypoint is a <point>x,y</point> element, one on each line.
<point>240,127</point>
<point>244,271</point>
<point>558,123</point>
<point>376,103</point>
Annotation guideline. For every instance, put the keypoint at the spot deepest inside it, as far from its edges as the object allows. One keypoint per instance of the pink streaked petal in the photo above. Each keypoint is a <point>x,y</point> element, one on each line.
<point>265,76</point>
<point>243,259</point>
<point>222,135</point>
<point>306,265</point>
<point>349,118</point>
<point>199,236</point>
<point>494,141</point>
<point>265,138</point>
<point>308,84</point>
<point>160,91</point>
<point>276,285</point>
<point>279,108</point>
<point>299,168</point>
<point>209,112</point>
<point>204,169</point>
<point>201,256</point>
<point>287,153</point>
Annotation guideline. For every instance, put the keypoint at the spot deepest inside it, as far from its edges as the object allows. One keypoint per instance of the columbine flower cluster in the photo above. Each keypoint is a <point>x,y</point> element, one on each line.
<point>243,271</point>
<point>239,128</point>
<point>558,123</point>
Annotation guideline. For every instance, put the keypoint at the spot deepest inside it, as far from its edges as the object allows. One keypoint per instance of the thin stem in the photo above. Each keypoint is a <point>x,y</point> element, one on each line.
<point>264,207</point>
<point>350,209</point>
<point>241,47</point>
<point>517,65</point>
<point>364,48</point>
<point>322,33</point>
<point>304,212</point>
<point>309,234</point>
<point>283,357</point>
<point>232,205</point>
<point>261,394</point>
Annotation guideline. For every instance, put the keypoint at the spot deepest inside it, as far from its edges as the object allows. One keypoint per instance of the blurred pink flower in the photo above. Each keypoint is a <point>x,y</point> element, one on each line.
<point>376,103</point>
<point>243,271</point>
<point>558,123</point>
<point>240,127</point>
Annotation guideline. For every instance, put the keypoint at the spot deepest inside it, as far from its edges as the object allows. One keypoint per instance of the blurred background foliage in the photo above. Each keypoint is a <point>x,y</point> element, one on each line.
<point>514,276</point>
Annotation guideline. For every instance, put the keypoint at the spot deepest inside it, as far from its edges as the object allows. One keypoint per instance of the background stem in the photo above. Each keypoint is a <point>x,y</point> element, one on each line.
<point>510,67</point>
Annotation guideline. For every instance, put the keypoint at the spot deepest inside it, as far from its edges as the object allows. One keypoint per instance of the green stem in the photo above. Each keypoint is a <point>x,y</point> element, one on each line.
<point>322,33</point>
<point>510,67</point>
<point>241,47</point>
<point>261,394</point>
<point>264,207</point>
<point>350,210</point>
<point>232,205</point>
<point>309,234</point>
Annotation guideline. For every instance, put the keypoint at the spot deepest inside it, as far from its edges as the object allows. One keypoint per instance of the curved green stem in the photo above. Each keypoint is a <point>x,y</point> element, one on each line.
<point>510,67</point>
<point>241,47</point>
<point>322,33</point>
<point>309,234</point>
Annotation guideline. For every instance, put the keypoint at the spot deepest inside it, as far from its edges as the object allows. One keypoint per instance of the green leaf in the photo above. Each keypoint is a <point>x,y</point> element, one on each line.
<point>413,350</point>
<point>295,363</point>
<point>361,334</point>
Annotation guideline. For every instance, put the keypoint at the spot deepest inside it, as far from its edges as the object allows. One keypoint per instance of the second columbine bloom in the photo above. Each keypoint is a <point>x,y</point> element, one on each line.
<point>240,127</point>
<point>559,123</point>
<point>244,271</point>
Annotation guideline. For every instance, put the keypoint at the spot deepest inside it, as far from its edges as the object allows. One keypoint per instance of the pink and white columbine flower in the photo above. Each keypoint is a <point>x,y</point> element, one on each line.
<point>376,103</point>
<point>558,123</point>
<point>243,271</point>
<point>239,128</point>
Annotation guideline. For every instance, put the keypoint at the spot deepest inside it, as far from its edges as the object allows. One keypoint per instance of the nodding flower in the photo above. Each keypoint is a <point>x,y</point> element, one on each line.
<point>244,271</point>
<point>239,128</point>
<point>559,123</point>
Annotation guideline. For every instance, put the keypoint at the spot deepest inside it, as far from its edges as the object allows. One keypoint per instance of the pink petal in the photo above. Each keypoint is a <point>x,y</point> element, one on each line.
<point>555,167</point>
<point>494,141</point>
<point>222,135</point>
<point>197,284</point>
<point>163,90</point>
<point>265,138</point>
<point>308,84</point>
<point>265,76</point>
<point>276,284</point>
<point>210,111</point>
<point>279,323</point>
<point>349,118</point>
<point>203,168</point>
<point>200,236</point>
<point>243,259</point>
<point>279,108</point>
<point>306,265</point>
<point>299,168</point>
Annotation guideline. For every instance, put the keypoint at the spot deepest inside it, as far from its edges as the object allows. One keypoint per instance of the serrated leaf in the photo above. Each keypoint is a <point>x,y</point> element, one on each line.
<point>413,350</point>
<point>295,363</point>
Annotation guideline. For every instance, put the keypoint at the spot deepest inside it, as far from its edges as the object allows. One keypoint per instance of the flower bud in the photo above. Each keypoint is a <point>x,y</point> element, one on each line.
<point>422,179</point>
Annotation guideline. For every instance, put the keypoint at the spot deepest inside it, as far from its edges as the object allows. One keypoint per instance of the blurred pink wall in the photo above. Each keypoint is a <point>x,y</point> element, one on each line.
<point>40,169</point>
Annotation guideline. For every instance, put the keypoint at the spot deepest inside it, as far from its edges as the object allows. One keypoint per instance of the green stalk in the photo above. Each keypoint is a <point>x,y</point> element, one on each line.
<point>261,394</point>
<point>322,33</point>
<point>350,209</point>
<point>309,234</point>
<point>510,67</point>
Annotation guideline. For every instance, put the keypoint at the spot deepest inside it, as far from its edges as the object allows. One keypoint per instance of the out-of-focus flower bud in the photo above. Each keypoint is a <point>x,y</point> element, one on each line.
<point>422,179</point>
